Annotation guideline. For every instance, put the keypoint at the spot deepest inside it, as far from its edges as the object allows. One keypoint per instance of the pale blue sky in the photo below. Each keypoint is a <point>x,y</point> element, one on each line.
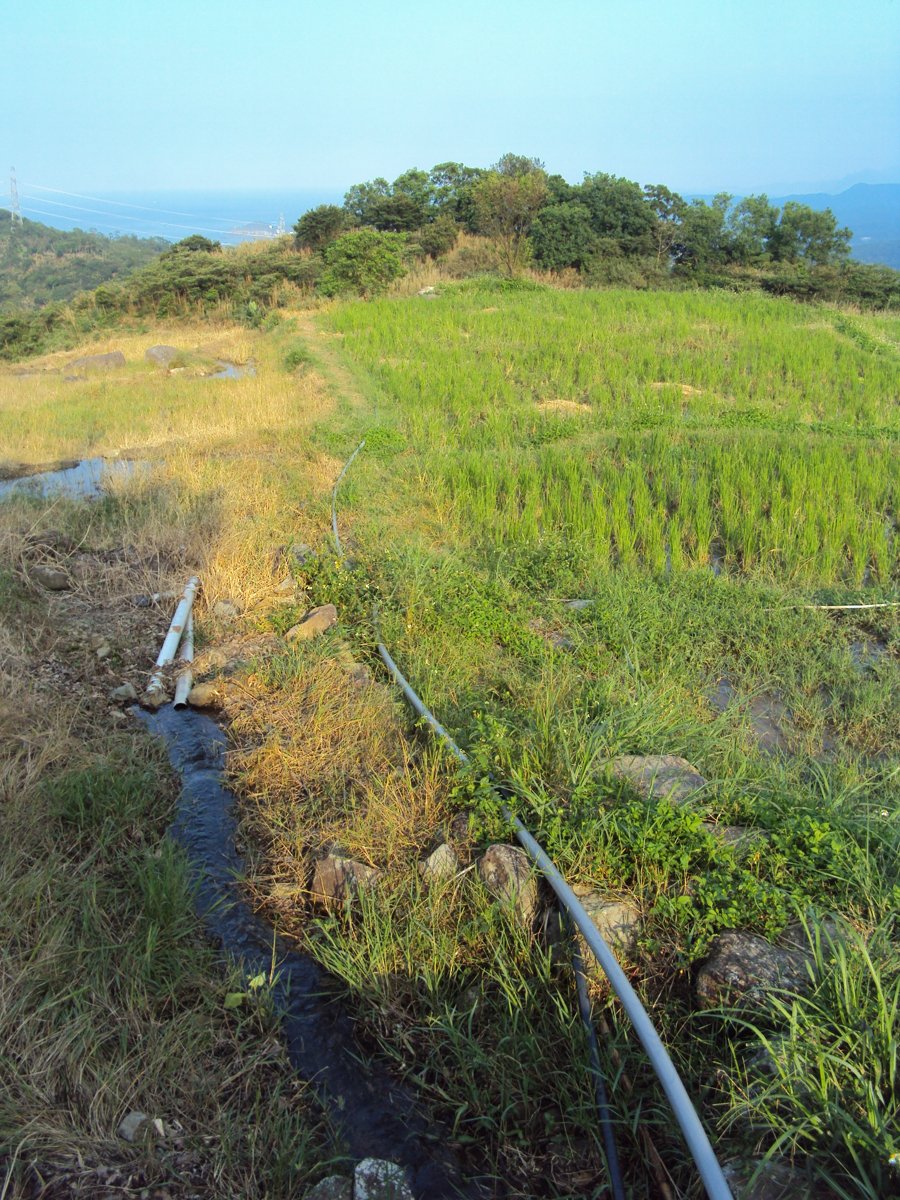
<point>749,95</point>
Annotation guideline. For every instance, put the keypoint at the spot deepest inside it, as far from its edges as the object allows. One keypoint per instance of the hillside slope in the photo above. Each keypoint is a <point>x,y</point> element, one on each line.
<point>40,265</point>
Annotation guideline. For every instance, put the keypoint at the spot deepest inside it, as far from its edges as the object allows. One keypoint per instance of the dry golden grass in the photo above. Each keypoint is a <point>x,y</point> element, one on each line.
<point>140,409</point>
<point>568,406</point>
<point>322,759</point>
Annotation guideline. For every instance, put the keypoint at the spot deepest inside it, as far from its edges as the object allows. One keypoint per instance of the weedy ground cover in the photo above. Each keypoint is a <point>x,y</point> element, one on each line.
<point>693,467</point>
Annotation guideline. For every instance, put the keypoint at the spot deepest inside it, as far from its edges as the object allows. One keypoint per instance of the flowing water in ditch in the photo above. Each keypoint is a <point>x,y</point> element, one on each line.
<point>375,1116</point>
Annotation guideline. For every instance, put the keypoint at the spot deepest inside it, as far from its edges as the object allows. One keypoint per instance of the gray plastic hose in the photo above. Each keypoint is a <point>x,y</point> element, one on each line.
<point>694,1134</point>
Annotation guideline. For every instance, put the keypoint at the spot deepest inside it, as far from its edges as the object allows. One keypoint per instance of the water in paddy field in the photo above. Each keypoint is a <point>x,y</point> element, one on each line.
<point>229,217</point>
<point>73,480</point>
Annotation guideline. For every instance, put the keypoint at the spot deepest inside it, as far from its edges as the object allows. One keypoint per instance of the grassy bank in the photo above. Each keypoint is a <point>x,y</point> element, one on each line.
<point>695,466</point>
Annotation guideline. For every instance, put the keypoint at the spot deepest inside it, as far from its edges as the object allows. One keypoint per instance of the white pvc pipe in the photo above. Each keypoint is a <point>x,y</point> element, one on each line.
<point>185,676</point>
<point>170,644</point>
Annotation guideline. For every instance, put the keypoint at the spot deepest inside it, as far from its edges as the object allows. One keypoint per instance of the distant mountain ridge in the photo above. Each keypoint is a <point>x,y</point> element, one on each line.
<point>871,210</point>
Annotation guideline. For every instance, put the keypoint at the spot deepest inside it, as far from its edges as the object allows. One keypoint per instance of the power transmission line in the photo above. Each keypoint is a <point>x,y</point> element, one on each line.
<point>169,212</point>
<point>124,216</point>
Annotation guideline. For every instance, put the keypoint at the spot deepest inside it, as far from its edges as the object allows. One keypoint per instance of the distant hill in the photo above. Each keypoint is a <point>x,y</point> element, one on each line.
<point>872,211</point>
<point>40,265</point>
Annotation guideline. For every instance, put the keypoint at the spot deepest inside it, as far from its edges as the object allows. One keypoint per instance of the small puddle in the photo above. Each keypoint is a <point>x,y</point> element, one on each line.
<point>75,480</point>
<point>376,1116</point>
<point>867,655</point>
<point>767,713</point>
<point>230,370</point>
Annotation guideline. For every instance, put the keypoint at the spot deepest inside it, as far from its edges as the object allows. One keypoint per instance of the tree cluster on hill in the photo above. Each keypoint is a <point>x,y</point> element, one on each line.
<point>40,265</point>
<point>608,229</point>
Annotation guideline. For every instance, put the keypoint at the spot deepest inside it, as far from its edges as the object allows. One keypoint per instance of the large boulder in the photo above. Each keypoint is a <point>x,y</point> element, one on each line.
<point>659,776</point>
<point>442,863</point>
<point>507,874</point>
<point>98,362</point>
<point>317,621</point>
<point>50,578</point>
<point>337,879</point>
<point>161,355</point>
<point>743,969</point>
<point>377,1179</point>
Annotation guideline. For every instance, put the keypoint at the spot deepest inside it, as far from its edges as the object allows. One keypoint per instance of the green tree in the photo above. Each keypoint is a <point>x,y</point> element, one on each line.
<point>620,212</point>
<point>365,261</point>
<point>316,228</point>
<point>361,199</point>
<point>809,235</point>
<point>452,184</point>
<point>561,236</point>
<point>752,224</point>
<point>195,244</point>
<point>668,209</point>
<point>506,206</point>
<point>704,240</point>
<point>516,165</point>
<point>438,236</point>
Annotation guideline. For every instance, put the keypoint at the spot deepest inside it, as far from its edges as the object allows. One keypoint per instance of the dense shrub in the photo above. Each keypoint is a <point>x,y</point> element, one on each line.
<point>364,262</point>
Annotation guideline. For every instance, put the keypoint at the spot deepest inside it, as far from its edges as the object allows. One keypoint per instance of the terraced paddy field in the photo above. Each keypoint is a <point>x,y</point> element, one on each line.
<point>590,527</point>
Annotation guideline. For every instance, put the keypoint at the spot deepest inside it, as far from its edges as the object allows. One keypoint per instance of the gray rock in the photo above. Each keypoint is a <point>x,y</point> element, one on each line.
<point>132,1126</point>
<point>98,362</point>
<point>337,879</point>
<point>427,291</point>
<point>204,695</point>
<point>376,1179</point>
<point>317,621</point>
<point>301,553</point>
<point>743,969</point>
<point>618,922</point>
<point>288,584</point>
<point>335,1187</point>
<point>506,873</point>
<point>659,775</point>
<point>122,695</point>
<point>50,578</point>
<point>161,355</point>
<point>441,863</point>
<point>743,839</point>
<point>226,610</point>
<point>773,1180</point>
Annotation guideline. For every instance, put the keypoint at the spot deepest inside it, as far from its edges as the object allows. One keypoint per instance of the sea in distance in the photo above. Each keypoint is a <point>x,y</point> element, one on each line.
<point>228,217</point>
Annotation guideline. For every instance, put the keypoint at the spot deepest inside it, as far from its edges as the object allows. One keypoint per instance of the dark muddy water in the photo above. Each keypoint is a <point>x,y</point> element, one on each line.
<point>375,1116</point>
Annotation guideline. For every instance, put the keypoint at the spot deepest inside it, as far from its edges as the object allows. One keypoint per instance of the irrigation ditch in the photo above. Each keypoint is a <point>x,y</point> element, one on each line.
<point>375,1115</point>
